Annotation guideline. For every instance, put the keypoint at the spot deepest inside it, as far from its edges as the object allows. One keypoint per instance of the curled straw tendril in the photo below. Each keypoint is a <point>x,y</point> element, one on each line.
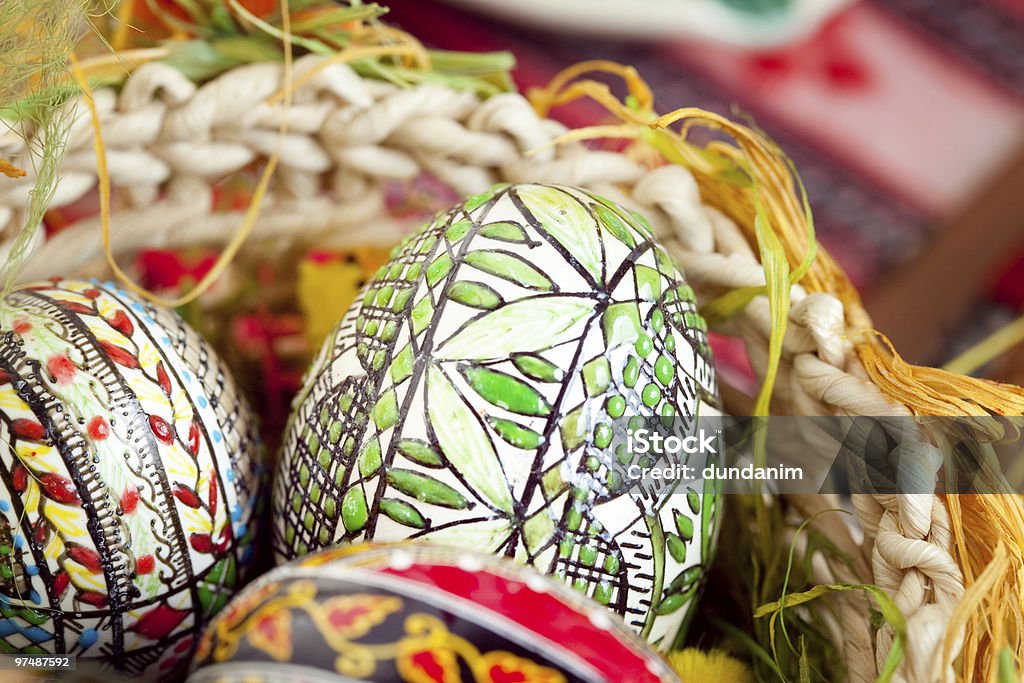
<point>754,183</point>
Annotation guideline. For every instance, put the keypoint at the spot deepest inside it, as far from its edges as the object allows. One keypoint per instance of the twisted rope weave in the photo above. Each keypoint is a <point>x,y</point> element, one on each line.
<point>169,140</point>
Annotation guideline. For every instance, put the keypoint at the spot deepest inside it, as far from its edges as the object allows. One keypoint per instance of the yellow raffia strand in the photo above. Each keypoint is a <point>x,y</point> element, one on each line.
<point>10,170</point>
<point>749,178</point>
<point>251,214</point>
<point>124,18</point>
<point>121,63</point>
<point>416,56</point>
<point>988,349</point>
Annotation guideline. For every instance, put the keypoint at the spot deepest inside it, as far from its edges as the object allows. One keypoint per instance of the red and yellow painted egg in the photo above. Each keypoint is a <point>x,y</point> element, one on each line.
<point>416,612</point>
<point>129,479</point>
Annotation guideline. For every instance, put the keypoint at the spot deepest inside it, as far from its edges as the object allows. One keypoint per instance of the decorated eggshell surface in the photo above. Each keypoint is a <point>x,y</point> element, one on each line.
<point>418,613</point>
<point>128,479</point>
<point>470,398</point>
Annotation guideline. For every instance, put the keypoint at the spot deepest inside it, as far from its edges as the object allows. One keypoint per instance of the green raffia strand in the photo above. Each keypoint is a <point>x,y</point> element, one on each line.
<point>752,646</point>
<point>732,303</point>
<point>804,663</point>
<point>223,43</point>
<point>36,37</point>
<point>889,611</point>
<point>758,570</point>
<point>778,276</point>
<point>767,519</point>
<point>1007,670</point>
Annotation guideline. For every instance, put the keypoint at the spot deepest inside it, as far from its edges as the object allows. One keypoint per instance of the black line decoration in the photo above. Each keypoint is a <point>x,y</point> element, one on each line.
<point>130,470</point>
<point>469,398</point>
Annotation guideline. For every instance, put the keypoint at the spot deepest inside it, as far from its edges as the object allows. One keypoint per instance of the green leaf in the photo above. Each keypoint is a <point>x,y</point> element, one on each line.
<point>422,314</point>
<point>676,547</point>
<point>515,434</point>
<point>648,282</point>
<point>402,365</point>
<point>505,231</point>
<point>403,513</point>
<point>426,489</point>
<point>506,391</point>
<point>353,509</point>
<point>385,410</point>
<point>567,221</point>
<point>684,525</point>
<point>439,268</point>
<point>523,326</point>
<point>538,530</point>
<point>672,603</point>
<point>573,429</point>
<point>420,452</point>
<point>614,224</point>
<point>597,376</point>
<point>486,535</point>
<point>464,441</point>
<point>474,294</point>
<point>538,368</point>
<point>621,324</point>
<point>369,458</point>
<point>686,580</point>
<point>511,267</point>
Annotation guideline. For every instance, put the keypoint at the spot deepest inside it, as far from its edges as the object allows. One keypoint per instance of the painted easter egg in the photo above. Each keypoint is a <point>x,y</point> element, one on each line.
<point>128,479</point>
<point>418,613</point>
<point>471,395</point>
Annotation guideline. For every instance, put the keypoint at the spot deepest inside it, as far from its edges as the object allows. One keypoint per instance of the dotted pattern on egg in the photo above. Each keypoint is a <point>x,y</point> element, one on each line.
<point>470,398</point>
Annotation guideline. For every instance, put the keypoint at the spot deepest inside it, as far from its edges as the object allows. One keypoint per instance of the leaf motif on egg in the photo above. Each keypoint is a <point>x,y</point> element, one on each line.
<point>471,394</point>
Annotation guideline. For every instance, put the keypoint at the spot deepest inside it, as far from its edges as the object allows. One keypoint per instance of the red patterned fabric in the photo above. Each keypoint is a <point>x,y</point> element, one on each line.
<point>896,112</point>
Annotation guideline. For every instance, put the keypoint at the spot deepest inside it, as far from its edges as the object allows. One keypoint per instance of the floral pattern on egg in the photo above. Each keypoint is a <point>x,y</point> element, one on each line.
<point>417,613</point>
<point>469,398</point>
<point>128,481</point>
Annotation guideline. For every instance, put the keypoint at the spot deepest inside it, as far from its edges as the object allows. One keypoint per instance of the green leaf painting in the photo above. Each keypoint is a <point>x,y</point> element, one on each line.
<point>523,326</point>
<point>464,442</point>
<point>567,221</point>
<point>473,395</point>
<point>511,267</point>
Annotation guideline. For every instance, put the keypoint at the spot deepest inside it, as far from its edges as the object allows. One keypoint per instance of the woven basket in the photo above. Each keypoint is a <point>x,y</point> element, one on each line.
<point>168,141</point>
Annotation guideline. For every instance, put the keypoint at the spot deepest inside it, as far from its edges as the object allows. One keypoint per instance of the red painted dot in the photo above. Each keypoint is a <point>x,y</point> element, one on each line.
<point>21,326</point>
<point>93,598</point>
<point>92,293</point>
<point>129,499</point>
<point>99,428</point>
<point>144,564</point>
<point>28,429</point>
<point>61,367</point>
<point>162,429</point>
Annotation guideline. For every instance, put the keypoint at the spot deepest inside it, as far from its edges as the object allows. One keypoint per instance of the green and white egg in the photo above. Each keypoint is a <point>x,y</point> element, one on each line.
<point>471,396</point>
